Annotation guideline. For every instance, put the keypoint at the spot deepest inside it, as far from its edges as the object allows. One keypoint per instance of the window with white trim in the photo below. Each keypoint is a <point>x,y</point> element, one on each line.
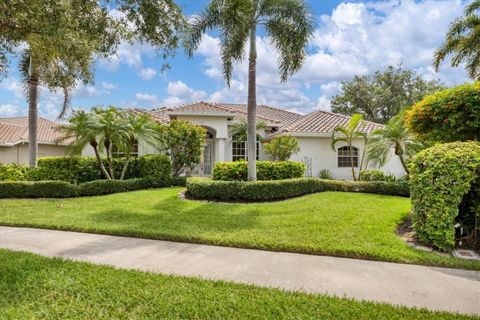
<point>239,150</point>
<point>343,157</point>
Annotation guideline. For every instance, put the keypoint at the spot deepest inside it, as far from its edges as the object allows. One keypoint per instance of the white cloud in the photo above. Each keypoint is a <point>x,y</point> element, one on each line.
<point>179,92</point>
<point>151,98</point>
<point>9,110</point>
<point>128,54</point>
<point>147,73</point>
<point>108,86</point>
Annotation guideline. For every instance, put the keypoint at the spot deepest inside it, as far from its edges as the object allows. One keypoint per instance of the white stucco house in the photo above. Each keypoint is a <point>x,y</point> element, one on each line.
<point>313,132</point>
<point>14,140</point>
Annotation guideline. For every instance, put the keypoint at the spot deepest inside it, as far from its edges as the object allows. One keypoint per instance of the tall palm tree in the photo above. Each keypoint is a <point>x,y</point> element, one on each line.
<point>30,67</point>
<point>349,134</point>
<point>81,131</point>
<point>461,41</point>
<point>288,25</point>
<point>394,136</point>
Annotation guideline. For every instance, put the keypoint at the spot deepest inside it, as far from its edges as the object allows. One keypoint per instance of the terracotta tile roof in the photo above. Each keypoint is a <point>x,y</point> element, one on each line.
<point>324,122</point>
<point>15,130</point>
<point>239,111</point>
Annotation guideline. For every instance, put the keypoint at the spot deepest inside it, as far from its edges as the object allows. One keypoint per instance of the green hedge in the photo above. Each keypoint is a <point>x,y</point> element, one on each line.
<point>441,177</point>
<point>85,169</point>
<point>62,189</point>
<point>251,191</point>
<point>266,170</point>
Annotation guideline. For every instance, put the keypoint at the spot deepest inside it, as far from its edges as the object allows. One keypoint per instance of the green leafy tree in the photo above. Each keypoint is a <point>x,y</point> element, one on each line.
<point>183,142</point>
<point>349,134</point>
<point>461,41</point>
<point>282,148</point>
<point>287,23</point>
<point>447,116</point>
<point>59,40</point>
<point>393,137</point>
<point>380,97</point>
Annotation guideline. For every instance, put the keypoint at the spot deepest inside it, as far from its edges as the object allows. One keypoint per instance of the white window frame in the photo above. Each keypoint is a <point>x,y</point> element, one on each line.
<point>344,159</point>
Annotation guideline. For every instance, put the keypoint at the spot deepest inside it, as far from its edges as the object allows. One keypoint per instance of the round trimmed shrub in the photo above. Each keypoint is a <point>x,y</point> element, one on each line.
<point>448,115</point>
<point>440,179</point>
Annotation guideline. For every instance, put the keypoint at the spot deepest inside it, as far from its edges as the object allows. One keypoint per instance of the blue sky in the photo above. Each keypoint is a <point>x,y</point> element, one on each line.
<point>355,37</point>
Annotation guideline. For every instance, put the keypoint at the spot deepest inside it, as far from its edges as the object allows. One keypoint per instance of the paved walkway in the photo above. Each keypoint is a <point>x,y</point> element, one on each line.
<point>409,285</point>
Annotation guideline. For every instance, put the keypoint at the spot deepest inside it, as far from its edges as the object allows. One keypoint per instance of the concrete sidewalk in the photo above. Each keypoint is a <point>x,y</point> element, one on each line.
<point>409,285</point>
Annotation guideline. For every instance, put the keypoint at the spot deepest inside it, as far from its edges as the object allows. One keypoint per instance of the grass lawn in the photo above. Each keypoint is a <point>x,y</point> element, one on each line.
<point>36,287</point>
<point>332,223</point>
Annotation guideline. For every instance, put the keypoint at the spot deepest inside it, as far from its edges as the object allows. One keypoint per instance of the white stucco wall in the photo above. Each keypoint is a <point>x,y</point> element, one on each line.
<point>19,153</point>
<point>319,150</point>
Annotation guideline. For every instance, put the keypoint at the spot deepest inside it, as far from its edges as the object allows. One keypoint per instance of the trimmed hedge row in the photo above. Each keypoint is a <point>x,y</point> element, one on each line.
<point>252,191</point>
<point>266,170</point>
<point>62,189</point>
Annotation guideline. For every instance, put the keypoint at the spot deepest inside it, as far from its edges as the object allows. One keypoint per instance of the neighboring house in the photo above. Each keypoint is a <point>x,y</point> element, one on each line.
<point>14,140</point>
<point>313,132</point>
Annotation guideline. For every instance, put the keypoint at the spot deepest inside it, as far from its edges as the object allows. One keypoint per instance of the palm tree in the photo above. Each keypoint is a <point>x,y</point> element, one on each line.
<point>81,131</point>
<point>240,129</point>
<point>462,42</point>
<point>30,72</point>
<point>348,134</point>
<point>394,136</point>
<point>288,24</point>
<point>137,127</point>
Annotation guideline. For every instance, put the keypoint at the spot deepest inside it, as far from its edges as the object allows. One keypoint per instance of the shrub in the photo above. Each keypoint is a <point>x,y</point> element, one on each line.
<point>251,191</point>
<point>154,165</point>
<point>449,115</point>
<point>372,175</point>
<point>266,170</point>
<point>61,189</point>
<point>326,174</point>
<point>81,169</point>
<point>44,174</point>
<point>282,148</point>
<point>440,178</point>
<point>12,172</point>
<point>183,142</point>
<point>39,189</point>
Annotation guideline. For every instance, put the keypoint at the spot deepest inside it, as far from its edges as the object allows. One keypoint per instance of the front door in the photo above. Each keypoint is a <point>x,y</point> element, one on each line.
<point>207,158</point>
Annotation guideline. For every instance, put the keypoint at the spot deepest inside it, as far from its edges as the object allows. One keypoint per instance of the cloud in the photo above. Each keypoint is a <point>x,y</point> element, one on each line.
<point>128,54</point>
<point>108,86</point>
<point>179,92</point>
<point>147,73</point>
<point>9,110</point>
<point>145,97</point>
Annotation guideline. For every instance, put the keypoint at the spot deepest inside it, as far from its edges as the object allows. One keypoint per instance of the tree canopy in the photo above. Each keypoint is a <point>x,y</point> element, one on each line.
<point>63,37</point>
<point>380,97</point>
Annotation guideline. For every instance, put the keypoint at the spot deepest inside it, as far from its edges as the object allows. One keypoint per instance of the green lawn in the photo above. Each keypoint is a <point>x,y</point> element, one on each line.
<point>333,223</point>
<point>34,287</point>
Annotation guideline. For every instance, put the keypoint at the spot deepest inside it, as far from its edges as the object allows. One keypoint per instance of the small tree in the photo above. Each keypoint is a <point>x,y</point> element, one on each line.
<point>394,136</point>
<point>449,115</point>
<point>183,142</point>
<point>239,130</point>
<point>348,134</point>
<point>282,148</point>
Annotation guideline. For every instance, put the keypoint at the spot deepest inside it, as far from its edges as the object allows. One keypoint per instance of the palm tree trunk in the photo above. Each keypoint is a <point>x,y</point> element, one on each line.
<point>252,106</point>
<point>32,120</point>
<point>109,159</point>
<point>351,162</point>
<point>125,167</point>
<point>404,163</point>
<point>99,161</point>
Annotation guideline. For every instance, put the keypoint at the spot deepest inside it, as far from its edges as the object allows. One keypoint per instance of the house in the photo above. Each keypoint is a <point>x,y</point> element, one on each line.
<point>313,132</point>
<point>14,140</point>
